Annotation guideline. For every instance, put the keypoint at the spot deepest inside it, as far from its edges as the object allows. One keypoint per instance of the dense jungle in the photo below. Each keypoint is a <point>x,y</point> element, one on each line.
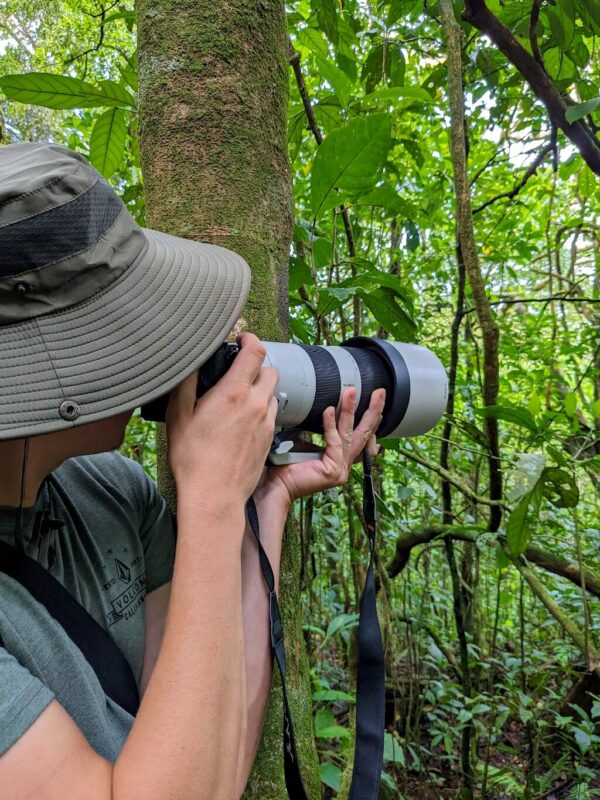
<point>445,166</point>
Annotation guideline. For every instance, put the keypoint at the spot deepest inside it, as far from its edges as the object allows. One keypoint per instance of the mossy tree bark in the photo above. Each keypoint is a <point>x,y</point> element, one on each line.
<point>212,111</point>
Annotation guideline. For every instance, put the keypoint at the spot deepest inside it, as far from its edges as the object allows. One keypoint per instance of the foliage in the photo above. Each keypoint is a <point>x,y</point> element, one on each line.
<point>374,252</point>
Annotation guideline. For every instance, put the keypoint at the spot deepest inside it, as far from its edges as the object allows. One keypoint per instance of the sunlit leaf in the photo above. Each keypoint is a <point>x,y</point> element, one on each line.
<point>62,92</point>
<point>350,158</point>
<point>107,143</point>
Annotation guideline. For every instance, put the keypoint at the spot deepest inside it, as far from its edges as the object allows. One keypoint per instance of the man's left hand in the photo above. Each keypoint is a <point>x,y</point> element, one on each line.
<point>343,445</point>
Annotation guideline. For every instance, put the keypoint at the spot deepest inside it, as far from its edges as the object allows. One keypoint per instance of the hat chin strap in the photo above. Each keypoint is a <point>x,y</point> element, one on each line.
<point>18,531</point>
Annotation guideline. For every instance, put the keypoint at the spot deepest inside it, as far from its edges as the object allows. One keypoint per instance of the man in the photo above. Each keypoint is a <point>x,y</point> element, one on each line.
<point>98,316</point>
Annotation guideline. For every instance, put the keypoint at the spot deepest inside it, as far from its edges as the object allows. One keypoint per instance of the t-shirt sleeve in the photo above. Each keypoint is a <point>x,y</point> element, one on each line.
<point>23,697</point>
<point>156,532</point>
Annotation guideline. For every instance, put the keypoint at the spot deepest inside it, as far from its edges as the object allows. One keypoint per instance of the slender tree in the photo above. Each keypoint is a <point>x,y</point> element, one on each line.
<point>213,111</point>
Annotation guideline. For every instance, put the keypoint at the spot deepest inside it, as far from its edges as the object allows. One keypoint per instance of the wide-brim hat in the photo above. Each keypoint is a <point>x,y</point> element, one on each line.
<point>97,315</point>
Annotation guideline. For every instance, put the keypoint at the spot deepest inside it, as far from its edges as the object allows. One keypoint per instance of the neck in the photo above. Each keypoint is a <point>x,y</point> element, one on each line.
<point>39,464</point>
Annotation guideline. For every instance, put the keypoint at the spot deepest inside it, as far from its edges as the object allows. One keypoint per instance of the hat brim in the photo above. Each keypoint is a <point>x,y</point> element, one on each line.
<point>128,344</point>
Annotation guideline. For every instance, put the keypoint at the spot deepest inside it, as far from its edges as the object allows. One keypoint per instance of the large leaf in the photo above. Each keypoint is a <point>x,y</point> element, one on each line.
<point>525,474</point>
<point>518,525</point>
<point>61,91</point>
<point>518,416</point>
<point>382,303</point>
<point>327,19</point>
<point>350,158</point>
<point>336,78</point>
<point>392,750</point>
<point>107,143</point>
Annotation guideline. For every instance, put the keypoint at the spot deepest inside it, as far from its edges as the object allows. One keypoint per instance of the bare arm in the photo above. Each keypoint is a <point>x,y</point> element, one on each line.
<point>156,608</point>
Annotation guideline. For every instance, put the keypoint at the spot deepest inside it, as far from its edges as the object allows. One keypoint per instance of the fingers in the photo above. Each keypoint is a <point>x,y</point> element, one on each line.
<point>346,419</point>
<point>369,423</point>
<point>266,380</point>
<point>247,364</point>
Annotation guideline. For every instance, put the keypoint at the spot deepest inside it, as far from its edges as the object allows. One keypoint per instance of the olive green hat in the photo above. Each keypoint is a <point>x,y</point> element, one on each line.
<point>97,315</point>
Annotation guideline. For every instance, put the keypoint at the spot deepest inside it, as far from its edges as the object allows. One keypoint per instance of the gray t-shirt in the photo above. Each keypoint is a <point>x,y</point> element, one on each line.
<point>115,545</point>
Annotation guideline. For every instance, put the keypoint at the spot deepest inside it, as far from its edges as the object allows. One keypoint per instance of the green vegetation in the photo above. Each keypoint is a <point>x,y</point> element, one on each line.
<point>483,246</point>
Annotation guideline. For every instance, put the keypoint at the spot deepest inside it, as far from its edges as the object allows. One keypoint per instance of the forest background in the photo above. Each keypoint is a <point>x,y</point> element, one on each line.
<point>482,245</point>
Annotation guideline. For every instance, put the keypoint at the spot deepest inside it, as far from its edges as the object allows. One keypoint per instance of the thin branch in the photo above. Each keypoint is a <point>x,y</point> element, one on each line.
<point>530,172</point>
<point>451,478</point>
<point>511,301</point>
<point>533,22</point>
<point>102,16</point>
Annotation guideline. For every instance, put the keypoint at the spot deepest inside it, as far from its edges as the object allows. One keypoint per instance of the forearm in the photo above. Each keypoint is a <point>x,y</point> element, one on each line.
<point>255,599</point>
<point>189,738</point>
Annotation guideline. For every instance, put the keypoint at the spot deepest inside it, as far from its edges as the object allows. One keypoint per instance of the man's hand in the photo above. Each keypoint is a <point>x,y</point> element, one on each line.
<point>221,441</point>
<point>344,444</point>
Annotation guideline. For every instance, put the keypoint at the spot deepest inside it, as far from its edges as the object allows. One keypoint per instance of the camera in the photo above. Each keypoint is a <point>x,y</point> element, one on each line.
<point>313,377</point>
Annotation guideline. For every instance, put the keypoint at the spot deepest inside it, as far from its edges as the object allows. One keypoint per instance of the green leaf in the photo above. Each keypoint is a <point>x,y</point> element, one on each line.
<point>333,695</point>
<point>327,19</point>
<point>62,92</point>
<point>525,474</point>
<point>382,303</point>
<point>350,158</point>
<point>393,750</point>
<point>389,782</point>
<point>342,622</point>
<point>326,726</point>
<point>330,775</point>
<point>299,275</point>
<point>570,403</point>
<point>332,297</point>
<point>580,110</point>
<point>128,16</point>
<point>107,142</point>
<point>396,94</point>
<point>583,739</point>
<point>336,78</point>
<point>592,9</point>
<point>368,277</point>
<point>129,73</point>
<point>518,530</point>
<point>386,197</point>
<point>372,71</point>
<point>518,416</point>
<point>561,488</point>
<point>562,22</point>
<point>313,41</point>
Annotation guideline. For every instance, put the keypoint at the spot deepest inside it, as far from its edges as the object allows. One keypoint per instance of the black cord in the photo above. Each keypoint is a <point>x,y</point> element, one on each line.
<point>18,532</point>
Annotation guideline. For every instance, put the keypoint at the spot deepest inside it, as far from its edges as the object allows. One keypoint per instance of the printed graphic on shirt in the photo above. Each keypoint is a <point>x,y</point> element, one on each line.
<point>129,599</point>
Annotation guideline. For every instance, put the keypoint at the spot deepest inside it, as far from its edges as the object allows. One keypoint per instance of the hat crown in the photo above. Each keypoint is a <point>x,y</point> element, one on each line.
<point>64,233</point>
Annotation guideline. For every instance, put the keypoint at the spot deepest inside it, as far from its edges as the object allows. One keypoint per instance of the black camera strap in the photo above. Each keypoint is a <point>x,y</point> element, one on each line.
<point>370,684</point>
<point>99,648</point>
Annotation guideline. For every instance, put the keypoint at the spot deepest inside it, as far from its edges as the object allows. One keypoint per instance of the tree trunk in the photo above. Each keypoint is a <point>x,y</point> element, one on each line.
<point>213,111</point>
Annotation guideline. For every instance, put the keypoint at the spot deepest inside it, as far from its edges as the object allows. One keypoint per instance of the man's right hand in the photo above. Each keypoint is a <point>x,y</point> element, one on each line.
<point>218,444</point>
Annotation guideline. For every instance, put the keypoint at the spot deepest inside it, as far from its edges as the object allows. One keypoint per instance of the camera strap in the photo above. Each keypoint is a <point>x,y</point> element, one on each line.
<point>98,647</point>
<point>370,678</point>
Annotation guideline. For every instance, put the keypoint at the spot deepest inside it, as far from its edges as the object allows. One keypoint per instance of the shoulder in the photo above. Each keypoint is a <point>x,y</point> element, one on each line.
<point>111,473</point>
